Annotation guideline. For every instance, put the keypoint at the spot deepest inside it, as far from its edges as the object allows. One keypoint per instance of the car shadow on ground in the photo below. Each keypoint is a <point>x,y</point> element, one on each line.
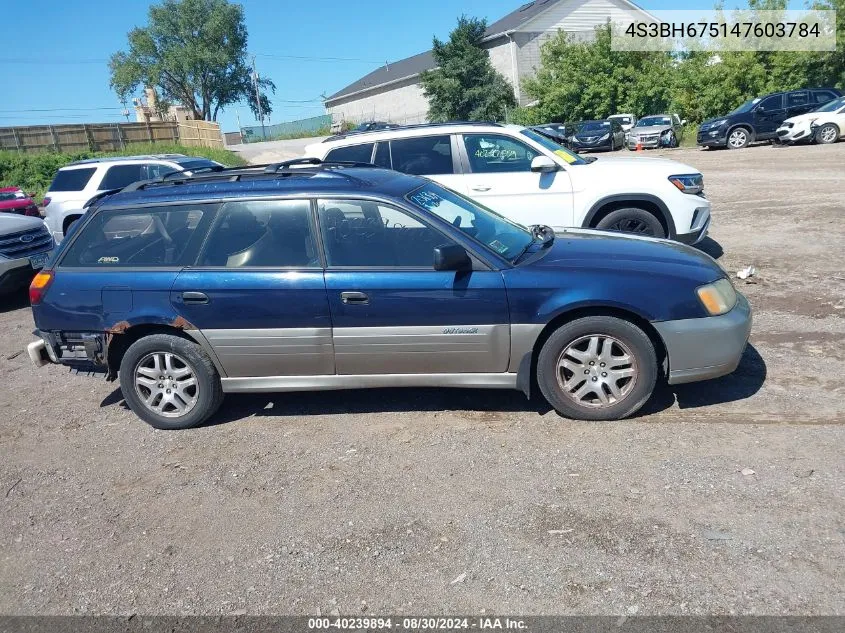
<point>14,300</point>
<point>741,384</point>
<point>711,247</point>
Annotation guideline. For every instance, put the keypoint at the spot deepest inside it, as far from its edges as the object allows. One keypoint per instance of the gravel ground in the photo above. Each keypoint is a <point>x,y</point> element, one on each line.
<point>438,501</point>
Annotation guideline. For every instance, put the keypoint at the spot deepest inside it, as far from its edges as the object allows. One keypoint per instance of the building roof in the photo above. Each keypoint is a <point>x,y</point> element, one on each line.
<point>411,66</point>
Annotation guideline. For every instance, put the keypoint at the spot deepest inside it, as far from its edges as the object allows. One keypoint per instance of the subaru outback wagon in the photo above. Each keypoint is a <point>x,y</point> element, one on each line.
<point>308,276</point>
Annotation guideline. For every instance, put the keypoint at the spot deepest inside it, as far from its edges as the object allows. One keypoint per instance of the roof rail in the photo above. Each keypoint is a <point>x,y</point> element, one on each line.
<point>282,169</point>
<point>412,126</point>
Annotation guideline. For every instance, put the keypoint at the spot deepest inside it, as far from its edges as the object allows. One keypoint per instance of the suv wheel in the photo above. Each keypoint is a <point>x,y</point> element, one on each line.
<point>738,138</point>
<point>597,368</point>
<point>632,220</point>
<point>169,382</point>
<point>827,133</point>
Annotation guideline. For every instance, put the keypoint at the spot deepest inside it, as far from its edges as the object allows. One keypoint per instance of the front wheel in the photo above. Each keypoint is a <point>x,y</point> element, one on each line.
<point>827,133</point>
<point>170,382</point>
<point>632,220</point>
<point>597,368</point>
<point>738,138</point>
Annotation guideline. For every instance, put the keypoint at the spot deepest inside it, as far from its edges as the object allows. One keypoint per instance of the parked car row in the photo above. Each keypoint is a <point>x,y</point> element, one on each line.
<point>617,131</point>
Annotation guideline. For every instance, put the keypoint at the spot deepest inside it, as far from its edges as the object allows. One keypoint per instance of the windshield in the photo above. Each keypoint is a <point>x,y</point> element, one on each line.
<point>570,157</point>
<point>746,107</point>
<point>831,106</point>
<point>654,120</point>
<point>5,196</point>
<point>593,126</point>
<point>624,120</point>
<point>502,236</point>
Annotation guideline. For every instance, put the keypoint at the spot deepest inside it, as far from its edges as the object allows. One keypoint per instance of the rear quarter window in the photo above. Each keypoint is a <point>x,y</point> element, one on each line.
<point>163,237</point>
<point>72,179</point>
<point>354,153</point>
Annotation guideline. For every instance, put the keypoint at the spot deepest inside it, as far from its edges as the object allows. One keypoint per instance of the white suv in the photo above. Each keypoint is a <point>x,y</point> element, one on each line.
<point>76,183</point>
<point>533,180</point>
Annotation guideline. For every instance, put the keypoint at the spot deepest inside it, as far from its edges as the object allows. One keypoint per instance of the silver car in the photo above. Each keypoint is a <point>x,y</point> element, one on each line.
<point>656,130</point>
<point>25,245</point>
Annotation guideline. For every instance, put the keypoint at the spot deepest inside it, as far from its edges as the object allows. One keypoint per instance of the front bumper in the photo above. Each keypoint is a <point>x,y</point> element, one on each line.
<point>15,273</point>
<point>794,134</point>
<point>701,349</point>
<point>716,137</point>
<point>591,147</point>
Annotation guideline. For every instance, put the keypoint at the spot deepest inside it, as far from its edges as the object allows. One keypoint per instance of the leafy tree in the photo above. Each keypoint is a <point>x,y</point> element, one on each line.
<point>464,86</point>
<point>193,52</point>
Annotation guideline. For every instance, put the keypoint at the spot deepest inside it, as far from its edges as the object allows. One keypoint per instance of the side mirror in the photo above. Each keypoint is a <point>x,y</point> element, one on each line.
<point>683,121</point>
<point>543,165</point>
<point>451,257</point>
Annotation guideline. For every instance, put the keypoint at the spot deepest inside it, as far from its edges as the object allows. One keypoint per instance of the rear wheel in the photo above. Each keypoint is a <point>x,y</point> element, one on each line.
<point>827,133</point>
<point>597,368</point>
<point>169,382</point>
<point>632,220</point>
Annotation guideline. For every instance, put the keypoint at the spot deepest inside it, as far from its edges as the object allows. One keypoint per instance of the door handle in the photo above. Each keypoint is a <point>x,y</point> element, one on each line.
<point>480,188</point>
<point>194,298</point>
<point>354,298</point>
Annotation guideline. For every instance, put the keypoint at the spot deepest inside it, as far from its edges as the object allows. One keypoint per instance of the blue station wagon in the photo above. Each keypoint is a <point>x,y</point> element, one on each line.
<point>307,275</point>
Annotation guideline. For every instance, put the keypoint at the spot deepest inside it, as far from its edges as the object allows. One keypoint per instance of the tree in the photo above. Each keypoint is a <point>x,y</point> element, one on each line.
<point>464,86</point>
<point>193,52</point>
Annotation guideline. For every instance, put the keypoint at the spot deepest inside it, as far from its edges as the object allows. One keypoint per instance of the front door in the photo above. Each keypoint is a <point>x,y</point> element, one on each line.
<point>392,313</point>
<point>498,175</point>
<point>257,292</point>
<point>768,115</point>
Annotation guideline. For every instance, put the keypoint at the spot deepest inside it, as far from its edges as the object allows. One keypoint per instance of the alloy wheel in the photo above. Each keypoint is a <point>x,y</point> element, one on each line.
<point>596,371</point>
<point>828,134</point>
<point>166,384</point>
<point>738,138</point>
<point>631,225</point>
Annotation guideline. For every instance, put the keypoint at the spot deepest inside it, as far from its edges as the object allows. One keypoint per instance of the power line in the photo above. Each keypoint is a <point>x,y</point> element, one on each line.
<point>62,109</point>
<point>65,60</point>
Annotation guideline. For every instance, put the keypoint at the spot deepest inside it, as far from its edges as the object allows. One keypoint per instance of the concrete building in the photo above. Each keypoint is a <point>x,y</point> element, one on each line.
<point>147,110</point>
<point>393,92</point>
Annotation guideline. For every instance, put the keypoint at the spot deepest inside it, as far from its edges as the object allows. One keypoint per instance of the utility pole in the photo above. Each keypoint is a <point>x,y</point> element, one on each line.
<point>258,99</point>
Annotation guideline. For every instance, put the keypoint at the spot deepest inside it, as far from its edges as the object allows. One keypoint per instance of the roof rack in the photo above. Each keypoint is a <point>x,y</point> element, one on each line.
<point>413,126</point>
<point>295,167</point>
<point>109,159</point>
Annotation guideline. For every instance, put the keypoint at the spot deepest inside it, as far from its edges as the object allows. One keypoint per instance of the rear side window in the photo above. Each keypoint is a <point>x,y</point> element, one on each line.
<point>354,153</point>
<point>72,179</point>
<point>120,176</point>
<point>262,234</point>
<point>794,99</point>
<point>153,237</point>
<point>422,156</point>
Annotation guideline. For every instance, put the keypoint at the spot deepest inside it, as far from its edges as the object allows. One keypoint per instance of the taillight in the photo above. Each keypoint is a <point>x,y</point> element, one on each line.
<point>32,211</point>
<point>45,202</point>
<point>39,285</point>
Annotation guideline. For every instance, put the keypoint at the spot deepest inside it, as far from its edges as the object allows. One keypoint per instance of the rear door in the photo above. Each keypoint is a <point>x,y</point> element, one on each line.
<point>798,102</point>
<point>257,292</point>
<point>498,175</point>
<point>435,157</point>
<point>392,313</point>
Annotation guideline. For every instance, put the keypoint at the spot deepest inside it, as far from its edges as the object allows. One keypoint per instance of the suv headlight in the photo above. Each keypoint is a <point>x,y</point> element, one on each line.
<point>718,297</point>
<point>718,123</point>
<point>688,183</point>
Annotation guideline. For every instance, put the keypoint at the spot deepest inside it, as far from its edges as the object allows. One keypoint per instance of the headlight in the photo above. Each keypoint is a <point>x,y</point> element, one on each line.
<point>605,136</point>
<point>718,297</point>
<point>688,183</point>
<point>665,132</point>
<point>718,123</point>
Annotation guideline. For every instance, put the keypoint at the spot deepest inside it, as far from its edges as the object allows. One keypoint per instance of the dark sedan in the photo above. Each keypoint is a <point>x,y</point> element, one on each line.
<point>598,135</point>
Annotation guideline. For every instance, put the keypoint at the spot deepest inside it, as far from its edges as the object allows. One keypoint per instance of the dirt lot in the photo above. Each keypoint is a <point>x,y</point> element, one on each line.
<point>412,501</point>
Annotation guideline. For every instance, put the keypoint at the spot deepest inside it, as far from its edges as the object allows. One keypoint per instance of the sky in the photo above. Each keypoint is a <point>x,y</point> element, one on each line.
<point>57,71</point>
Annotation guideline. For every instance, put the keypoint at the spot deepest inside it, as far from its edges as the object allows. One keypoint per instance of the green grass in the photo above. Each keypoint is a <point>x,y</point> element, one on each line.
<point>34,172</point>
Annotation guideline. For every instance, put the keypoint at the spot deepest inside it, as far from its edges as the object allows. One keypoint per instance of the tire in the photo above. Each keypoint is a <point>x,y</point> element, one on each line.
<point>632,220</point>
<point>738,138</point>
<point>558,371</point>
<point>827,134</point>
<point>175,354</point>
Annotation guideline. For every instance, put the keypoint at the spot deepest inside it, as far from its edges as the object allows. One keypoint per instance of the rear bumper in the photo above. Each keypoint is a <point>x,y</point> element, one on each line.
<point>701,349</point>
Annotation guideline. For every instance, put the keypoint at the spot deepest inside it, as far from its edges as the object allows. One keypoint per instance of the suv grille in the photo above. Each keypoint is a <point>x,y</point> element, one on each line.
<point>26,243</point>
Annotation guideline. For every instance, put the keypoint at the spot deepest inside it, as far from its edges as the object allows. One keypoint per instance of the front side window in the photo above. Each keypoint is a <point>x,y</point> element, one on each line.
<point>120,176</point>
<point>498,234</point>
<point>154,237</point>
<point>364,233</point>
<point>493,153</point>
<point>424,156</point>
<point>72,179</point>
<point>353,153</point>
<point>262,234</point>
<point>775,102</point>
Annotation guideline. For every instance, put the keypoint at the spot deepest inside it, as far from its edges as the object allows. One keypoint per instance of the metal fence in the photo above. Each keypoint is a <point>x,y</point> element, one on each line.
<point>306,127</point>
<point>107,137</point>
